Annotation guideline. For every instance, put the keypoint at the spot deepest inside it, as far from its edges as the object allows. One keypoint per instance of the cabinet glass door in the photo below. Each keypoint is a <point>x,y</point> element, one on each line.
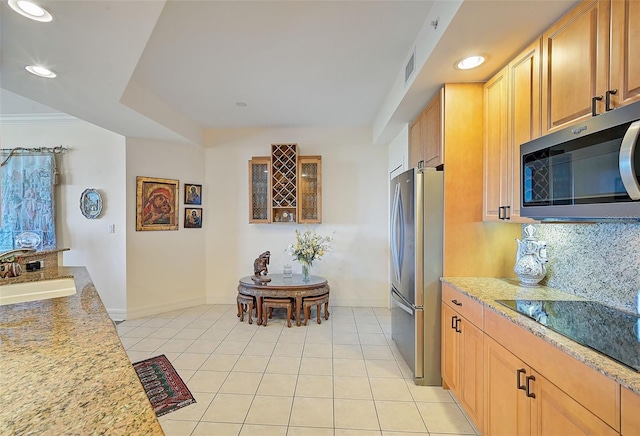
<point>260,187</point>
<point>309,190</point>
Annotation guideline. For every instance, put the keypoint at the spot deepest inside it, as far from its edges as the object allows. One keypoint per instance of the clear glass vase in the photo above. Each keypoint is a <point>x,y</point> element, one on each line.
<point>305,273</point>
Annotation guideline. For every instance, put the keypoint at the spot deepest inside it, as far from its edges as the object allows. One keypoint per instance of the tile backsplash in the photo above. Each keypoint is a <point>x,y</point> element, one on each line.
<point>595,261</point>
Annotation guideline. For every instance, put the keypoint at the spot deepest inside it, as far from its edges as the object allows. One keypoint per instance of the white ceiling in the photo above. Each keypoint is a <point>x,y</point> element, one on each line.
<point>171,70</point>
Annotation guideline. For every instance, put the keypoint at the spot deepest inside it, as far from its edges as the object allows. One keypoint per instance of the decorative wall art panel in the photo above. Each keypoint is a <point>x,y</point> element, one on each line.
<point>28,203</point>
<point>156,203</point>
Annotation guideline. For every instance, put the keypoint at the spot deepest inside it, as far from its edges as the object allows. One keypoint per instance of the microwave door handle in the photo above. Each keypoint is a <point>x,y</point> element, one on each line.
<point>626,160</point>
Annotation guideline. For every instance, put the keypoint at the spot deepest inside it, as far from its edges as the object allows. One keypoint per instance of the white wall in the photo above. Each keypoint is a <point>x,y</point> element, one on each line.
<point>355,203</point>
<point>399,153</point>
<point>144,273</point>
<point>165,269</point>
<point>95,160</point>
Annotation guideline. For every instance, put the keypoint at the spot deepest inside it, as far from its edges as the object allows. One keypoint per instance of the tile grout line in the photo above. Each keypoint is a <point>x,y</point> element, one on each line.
<point>334,328</point>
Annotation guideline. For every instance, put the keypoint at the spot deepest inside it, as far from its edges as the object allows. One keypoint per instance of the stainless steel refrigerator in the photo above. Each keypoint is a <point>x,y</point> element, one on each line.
<point>417,213</point>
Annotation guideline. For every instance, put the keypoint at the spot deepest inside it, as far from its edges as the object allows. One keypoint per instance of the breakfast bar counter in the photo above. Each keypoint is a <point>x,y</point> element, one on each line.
<point>63,369</point>
<point>488,290</point>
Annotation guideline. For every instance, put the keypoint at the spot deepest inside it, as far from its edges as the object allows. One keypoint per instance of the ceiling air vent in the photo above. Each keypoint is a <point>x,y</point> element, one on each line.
<point>411,65</point>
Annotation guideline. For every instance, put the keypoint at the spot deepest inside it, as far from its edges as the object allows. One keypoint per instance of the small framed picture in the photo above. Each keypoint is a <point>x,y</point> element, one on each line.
<point>192,194</point>
<point>192,217</point>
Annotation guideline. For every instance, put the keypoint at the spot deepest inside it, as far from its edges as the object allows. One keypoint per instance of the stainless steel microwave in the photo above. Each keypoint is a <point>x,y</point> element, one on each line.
<point>587,172</point>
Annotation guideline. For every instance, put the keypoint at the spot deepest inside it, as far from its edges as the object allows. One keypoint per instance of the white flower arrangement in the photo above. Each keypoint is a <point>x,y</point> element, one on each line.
<point>309,246</point>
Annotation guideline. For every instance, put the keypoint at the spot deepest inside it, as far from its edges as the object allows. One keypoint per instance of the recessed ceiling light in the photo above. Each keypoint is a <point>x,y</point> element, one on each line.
<point>30,10</point>
<point>470,62</point>
<point>241,104</point>
<point>41,71</point>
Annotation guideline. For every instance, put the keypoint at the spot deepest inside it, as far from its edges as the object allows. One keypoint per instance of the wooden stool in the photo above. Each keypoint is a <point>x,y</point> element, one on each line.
<point>245,303</point>
<point>318,302</point>
<point>270,303</point>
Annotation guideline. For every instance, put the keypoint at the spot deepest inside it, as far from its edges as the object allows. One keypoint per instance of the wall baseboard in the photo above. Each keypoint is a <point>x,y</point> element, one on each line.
<point>120,315</point>
<point>117,314</point>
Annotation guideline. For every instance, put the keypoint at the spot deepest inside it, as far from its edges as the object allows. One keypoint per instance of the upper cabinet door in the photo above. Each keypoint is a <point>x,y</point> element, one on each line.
<point>309,189</point>
<point>496,183</point>
<point>625,52</point>
<point>432,132</point>
<point>512,117</point>
<point>260,190</point>
<point>575,64</point>
<point>524,118</point>
<point>416,148</point>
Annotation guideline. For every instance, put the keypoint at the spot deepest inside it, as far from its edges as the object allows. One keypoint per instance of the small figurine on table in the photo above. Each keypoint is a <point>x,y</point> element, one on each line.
<point>260,270</point>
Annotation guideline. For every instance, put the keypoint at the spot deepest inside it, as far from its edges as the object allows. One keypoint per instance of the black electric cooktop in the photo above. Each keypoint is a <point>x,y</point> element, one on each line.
<point>609,331</point>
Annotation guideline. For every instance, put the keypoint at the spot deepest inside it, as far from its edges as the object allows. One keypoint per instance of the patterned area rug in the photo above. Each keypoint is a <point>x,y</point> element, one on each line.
<point>164,387</point>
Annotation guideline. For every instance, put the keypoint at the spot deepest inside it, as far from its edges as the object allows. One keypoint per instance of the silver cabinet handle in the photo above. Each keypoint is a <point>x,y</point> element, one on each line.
<point>626,161</point>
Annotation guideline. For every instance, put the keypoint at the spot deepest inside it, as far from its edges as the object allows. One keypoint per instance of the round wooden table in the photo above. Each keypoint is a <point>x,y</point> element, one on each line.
<point>281,287</point>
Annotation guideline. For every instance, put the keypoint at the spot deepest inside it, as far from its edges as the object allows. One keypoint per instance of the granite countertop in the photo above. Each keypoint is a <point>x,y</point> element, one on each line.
<point>486,290</point>
<point>63,369</point>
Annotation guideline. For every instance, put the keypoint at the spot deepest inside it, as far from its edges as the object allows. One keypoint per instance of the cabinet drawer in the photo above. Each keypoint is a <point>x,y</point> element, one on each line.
<point>465,306</point>
<point>595,391</point>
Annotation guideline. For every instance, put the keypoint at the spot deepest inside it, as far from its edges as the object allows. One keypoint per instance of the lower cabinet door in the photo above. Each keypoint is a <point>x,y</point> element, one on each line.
<point>450,349</point>
<point>507,407</point>
<point>472,371</point>
<point>555,412</point>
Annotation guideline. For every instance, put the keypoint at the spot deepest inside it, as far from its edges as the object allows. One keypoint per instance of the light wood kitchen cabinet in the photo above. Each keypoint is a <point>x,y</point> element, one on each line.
<point>432,131</point>
<point>260,189</point>
<point>309,189</point>
<point>462,352</point>
<point>519,400</point>
<point>630,408</point>
<point>426,138</point>
<point>512,117</point>
<point>591,62</point>
<point>416,148</point>
<point>496,184</point>
<point>575,65</point>
<point>555,412</point>
<point>285,187</point>
<point>570,397</point>
<point>507,408</point>
<point>625,52</point>
<point>450,349</point>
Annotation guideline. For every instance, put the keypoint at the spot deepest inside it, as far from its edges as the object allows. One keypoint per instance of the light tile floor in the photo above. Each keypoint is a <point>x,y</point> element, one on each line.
<point>342,377</point>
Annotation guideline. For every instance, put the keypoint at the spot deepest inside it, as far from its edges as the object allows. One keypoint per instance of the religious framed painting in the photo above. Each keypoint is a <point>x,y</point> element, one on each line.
<point>193,217</point>
<point>192,194</point>
<point>156,203</point>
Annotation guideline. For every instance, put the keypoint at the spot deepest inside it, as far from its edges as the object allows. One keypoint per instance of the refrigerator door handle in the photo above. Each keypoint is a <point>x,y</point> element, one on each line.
<point>396,299</point>
<point>397,233</point>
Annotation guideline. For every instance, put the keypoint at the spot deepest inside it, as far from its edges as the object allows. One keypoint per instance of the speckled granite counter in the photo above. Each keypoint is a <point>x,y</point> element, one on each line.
<point>63,369</point>
<point>487,290</point>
